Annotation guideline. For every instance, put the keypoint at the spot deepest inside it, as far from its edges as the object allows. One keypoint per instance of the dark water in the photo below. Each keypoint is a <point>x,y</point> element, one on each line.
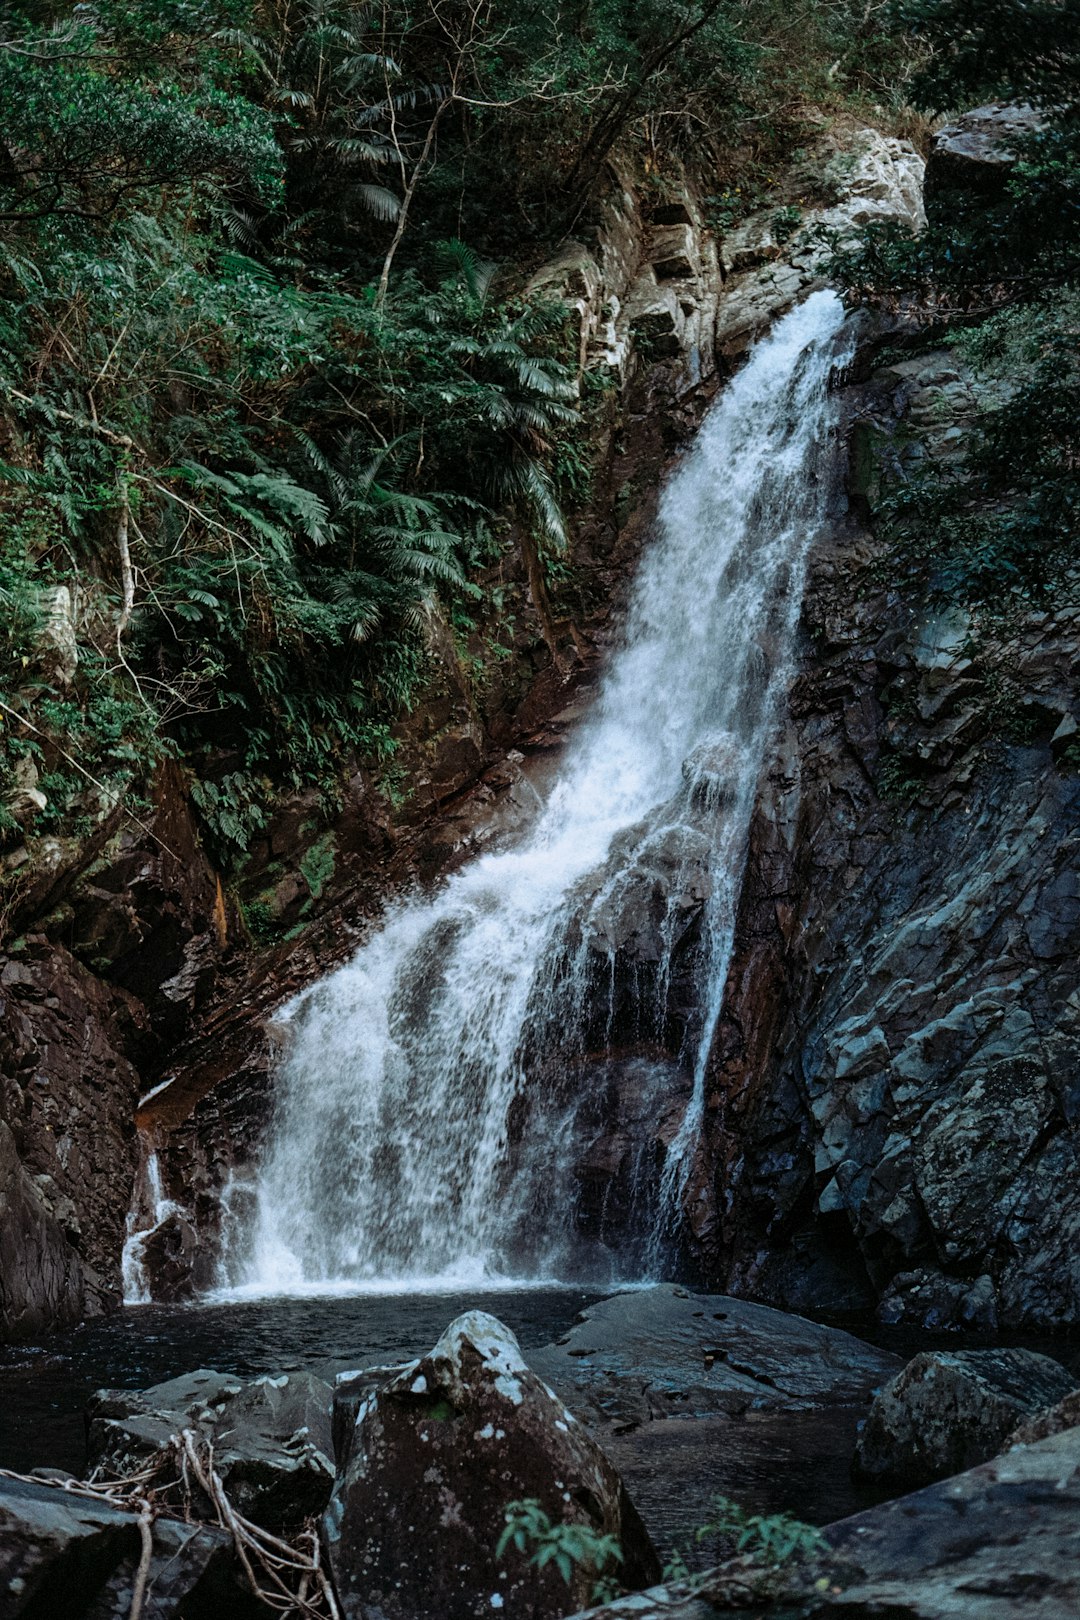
<point>43,1390</point>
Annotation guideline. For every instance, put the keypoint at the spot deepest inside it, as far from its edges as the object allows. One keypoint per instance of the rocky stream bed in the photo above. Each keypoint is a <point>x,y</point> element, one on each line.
<point>390,1483</point>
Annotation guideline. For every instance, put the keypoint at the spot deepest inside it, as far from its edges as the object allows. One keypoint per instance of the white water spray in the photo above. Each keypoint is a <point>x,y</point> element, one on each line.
<point>422,1131</point>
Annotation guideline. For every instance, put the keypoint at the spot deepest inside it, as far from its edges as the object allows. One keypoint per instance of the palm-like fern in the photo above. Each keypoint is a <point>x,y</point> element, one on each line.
<point>329,75</point>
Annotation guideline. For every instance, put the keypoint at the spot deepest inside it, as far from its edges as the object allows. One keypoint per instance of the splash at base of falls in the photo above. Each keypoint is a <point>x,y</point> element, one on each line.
<point>510,1077</point>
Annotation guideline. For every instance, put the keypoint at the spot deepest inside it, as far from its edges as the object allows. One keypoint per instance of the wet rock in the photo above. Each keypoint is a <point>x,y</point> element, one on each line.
<point>975,154</point>
<point>903,1018</point>
<point>437,1453</point>
<point>927,1299</point>
<point>271,1437</point>
<point>174,1265</point>
<point>1001,1542</point>
<point>625,1112</point>
<point>68,1093</point>
<point>949,1410</point>
<point>41,1281</point>
<point>662,1352</point>
<point>712,772</point>
<point>1052,1420</point>
<point>67,1557</point>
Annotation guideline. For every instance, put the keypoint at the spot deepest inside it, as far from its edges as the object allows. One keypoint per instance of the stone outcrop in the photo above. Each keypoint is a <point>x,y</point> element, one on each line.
<point>973,156</point>
<point>68,1091</point>
<point>691,298</point>
<point>893,1087</point>
<point>660,1352</point>
<point>41,1282</point>
<point>67,1557</point>
<point>435,1455</point>
<point>928,1299</point>
<point>948,1410</point>
<point>271,1437</point>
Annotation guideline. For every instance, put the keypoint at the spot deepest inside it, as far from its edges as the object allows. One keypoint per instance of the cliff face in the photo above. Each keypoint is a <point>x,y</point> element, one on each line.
<point>903,1020</point>
<point>130,969</point>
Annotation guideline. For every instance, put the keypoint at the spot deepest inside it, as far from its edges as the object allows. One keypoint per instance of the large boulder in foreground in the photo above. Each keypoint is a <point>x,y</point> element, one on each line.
<point>1001,1542</point>
<point>271,1437</point>
<point>67,1557</point>
<point>949,1410</point>
<point>437,1453</point>
<point>664,1352</point>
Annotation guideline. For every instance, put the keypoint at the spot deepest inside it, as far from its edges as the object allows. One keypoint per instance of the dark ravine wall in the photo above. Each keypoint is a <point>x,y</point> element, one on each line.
<point>903,1017</point>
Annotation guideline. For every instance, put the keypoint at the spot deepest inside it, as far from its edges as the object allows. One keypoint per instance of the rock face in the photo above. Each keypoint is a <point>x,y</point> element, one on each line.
<point>975,154</point>
<point>1001,1542</point>
<point>926,1299</point>
<point>41,1284</point>
<point>949,1410</point>
<point>66,1557</point>
<point>894,1087</point>
<point>663,1352</point>
<point>436,1454</point>
<point>67,1093</point>
<point>272,1438</point>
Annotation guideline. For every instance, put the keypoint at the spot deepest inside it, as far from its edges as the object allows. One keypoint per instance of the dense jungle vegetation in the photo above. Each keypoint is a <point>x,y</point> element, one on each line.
<point>272,398</point>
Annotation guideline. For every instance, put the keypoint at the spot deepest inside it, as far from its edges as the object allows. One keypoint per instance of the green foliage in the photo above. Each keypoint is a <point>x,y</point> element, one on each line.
<point>896,782</point>
<point>82,140</point>
<point>317,865</point>
<point>1003,523</point>
<point>771,1540</point>
<point>569,1547</point>
<point>232,811</point>
<point>265,465</point>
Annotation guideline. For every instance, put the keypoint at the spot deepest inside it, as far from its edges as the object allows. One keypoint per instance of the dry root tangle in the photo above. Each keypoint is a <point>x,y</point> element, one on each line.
<point>287,1577</point>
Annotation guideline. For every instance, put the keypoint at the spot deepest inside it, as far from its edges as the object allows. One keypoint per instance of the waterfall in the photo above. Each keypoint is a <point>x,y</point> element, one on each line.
<point>427,1107</point>
<point>149,1210</point>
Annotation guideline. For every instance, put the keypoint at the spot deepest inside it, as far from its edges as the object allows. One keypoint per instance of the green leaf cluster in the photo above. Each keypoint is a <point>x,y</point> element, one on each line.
<point>1000,268</point>
<point>570,1547</point>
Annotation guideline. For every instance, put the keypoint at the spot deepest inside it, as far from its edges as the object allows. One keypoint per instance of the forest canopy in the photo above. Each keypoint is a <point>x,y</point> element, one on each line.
<point>272,397</point>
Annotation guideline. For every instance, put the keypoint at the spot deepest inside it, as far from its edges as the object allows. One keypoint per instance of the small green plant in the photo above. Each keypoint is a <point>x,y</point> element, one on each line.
<point>568,1546</point>
<point>771,1540</point>
<point>785,222</point>
<point>232,811</point>
<point>895,781</point>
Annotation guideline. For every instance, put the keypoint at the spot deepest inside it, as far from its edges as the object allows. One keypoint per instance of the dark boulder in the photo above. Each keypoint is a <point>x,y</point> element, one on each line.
<point>927,1299</point>
<point>1051,1420</point>
<point>67,1557</point>
<point>949,1410</point>
<point>271,1437</point>
<point>174,1264</point>
<point>975,154</point>
<point>437,1453</point>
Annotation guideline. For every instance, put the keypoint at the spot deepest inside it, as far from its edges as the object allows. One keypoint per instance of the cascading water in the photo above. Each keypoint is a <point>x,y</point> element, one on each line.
<point>149,1210</point>
<point>426,1107</point>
